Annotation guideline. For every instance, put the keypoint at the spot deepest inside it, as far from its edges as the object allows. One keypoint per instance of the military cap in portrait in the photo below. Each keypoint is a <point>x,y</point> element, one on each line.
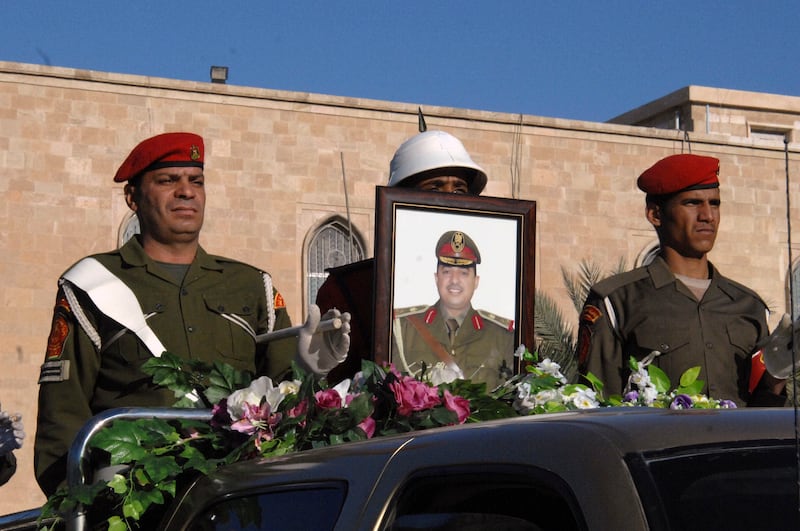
<point>457,249</point>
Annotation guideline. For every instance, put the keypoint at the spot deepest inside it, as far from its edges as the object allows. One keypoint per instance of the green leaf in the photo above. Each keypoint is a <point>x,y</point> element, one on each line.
<point>689,376</point>
<point>659,378</point>
<point>123,440</point>
<point>224,380</point>
<point>119,484</point>
<point>693,388</point>
<point>115,523</point>
<point>158,468</point>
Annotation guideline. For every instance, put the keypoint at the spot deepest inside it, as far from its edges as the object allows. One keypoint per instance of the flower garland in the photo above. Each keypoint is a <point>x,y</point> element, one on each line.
<point>257,418</point>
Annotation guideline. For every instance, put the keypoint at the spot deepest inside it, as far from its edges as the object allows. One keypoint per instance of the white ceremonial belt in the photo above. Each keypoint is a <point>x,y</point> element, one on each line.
<point>115,299</point>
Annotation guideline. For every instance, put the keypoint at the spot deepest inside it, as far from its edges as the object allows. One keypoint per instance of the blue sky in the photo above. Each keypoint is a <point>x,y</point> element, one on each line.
<point>587,60</point>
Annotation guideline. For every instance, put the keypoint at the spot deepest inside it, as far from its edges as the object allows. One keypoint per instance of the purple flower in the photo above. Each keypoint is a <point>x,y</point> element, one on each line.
<point>631,396</point>
<point>727,404</point>
<point>681,402</point>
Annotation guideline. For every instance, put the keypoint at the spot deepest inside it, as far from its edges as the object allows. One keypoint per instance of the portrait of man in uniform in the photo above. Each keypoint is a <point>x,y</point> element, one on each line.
<point>468,342</point>
<point>466,259</point>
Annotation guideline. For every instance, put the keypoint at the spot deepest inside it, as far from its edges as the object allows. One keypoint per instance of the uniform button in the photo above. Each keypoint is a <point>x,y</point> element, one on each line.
<point>220,308</point>
<point>664,347</point>
<point>190,329</point>
<point>184,291</point>
<point>159,307</point>
<point>709,345</point>
<point>246,309</point>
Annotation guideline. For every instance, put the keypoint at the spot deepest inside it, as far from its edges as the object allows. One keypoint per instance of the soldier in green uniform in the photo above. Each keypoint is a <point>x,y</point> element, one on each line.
<point>160,292</point>
<point>474,344</point>
<point>679,309</point>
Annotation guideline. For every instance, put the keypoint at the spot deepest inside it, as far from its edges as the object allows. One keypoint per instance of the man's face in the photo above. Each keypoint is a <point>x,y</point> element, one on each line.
<point>170,204</point>
<point>688,221</point>
<point>444,183</point>
<point>456,286</point>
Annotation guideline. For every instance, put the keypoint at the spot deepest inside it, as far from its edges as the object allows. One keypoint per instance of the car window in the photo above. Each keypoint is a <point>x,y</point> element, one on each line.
<point>299,508</point>
<point>710,489</point>
<point>496,497</point>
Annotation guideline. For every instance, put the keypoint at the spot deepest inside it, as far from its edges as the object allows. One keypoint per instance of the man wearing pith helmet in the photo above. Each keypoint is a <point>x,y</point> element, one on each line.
<point>428,161</point>
<point>159,292</point>
<point>470,343</point>
<point>679,311</point>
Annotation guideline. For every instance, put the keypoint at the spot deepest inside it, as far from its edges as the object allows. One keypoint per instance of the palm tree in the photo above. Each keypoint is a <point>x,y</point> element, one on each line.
<point>554,335</point>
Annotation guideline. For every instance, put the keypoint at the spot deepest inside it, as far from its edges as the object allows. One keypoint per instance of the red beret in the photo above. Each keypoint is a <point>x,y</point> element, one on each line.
<point>678,173</point>
<point>457,249</point>
<point>162,151</point>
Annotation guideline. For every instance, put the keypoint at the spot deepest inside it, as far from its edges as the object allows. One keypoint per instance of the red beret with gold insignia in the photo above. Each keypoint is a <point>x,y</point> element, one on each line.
<point>457,249</point>
<point>678,173</point>
<point>167,150</point>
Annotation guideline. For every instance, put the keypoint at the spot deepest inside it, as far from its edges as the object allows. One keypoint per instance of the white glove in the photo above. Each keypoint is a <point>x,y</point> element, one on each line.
<point>319,352</point>
<point>11,432</point>
<point>777,349</point>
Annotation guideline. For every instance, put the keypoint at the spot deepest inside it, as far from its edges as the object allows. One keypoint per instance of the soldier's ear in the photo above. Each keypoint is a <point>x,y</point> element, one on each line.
<point>130,196</point>
<point>654,214</point>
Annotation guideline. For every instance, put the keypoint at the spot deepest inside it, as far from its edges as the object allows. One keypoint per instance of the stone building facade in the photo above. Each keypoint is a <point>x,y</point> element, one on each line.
<point>283,165</point>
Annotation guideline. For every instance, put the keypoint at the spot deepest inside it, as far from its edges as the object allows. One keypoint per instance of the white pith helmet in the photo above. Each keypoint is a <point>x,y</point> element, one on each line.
<point>435,150</point>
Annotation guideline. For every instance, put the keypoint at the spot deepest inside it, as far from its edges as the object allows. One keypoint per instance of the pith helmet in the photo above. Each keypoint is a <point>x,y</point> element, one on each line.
<point>435,150</point>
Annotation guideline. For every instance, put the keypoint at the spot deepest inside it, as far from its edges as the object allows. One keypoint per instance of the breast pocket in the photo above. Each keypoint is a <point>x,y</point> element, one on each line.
<point>742,335</point>
<point>234,328</point>
<point>672,342</point>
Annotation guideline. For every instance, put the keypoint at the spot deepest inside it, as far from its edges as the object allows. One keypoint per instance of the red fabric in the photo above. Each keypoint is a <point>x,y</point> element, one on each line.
<point>162,151</point>
<point>757,370</point>
<point>680,172</point>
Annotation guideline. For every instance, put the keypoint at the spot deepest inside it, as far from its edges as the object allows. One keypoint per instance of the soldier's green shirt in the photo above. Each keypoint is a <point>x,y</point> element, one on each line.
<point>212,315</point>
<point>482,347</point>
<point>648,309</point>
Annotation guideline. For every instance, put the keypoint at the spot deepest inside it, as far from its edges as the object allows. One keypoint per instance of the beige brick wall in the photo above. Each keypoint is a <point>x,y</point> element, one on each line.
<point>274,173</point>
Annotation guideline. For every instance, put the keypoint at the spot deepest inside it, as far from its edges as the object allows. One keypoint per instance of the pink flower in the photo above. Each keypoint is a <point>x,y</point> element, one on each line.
<point>299,409</point>
<point>257,419</point>
<point>328,399</point>
<point>368,426</point>
<point>413,395</point>
<point>457,404</point>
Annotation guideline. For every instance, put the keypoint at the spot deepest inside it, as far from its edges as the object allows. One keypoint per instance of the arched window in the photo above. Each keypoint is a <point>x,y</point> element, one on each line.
<point>331,245</point>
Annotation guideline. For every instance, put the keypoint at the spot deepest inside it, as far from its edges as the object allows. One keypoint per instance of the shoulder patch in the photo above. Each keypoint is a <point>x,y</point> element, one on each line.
<point>508,324</point>
<point>278,301</point>
<point>590,314</point>
<point>59,329</point>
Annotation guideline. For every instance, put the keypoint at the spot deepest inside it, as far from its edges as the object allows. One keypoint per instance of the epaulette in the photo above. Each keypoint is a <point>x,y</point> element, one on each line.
<point>402,312</point>
<point>609,285</point>
<point>502,322</point>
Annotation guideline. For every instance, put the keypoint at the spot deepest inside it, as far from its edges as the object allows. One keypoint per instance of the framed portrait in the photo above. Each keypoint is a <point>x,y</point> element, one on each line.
<point>416,232</point>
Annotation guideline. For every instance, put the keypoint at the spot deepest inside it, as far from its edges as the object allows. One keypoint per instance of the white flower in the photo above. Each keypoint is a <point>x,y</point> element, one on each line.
<point>552,368</point>
<point>641,378</point>
<point>545,395</point>
<point>523,402</point>
<point>287,387</point>
<point>259,389</point>
<point>649,394</point>
<point>441,373</point>
<point>585,399</point>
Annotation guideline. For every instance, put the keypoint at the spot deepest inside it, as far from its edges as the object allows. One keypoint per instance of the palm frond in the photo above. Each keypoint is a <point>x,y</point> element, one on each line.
<point>554,337</point>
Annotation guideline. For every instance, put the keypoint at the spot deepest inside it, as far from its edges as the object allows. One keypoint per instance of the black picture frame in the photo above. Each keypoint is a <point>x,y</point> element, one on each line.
<point>409,222</point>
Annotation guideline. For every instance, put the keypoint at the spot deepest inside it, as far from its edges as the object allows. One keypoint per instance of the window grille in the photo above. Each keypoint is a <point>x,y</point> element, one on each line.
<point>332,245</point>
